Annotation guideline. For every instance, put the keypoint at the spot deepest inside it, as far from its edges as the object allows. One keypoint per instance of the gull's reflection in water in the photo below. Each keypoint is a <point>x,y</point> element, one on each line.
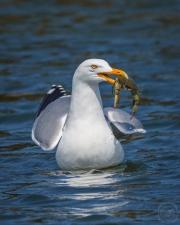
<point>88,179</point>
<point>96,191</point>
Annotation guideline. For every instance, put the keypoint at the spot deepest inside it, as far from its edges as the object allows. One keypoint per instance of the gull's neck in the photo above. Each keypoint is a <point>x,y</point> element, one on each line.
<point>86,102</point>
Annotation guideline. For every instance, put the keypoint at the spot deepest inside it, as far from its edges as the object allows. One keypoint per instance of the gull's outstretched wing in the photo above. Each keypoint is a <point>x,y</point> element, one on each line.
<point>50,118</point>
<point>121,123</point>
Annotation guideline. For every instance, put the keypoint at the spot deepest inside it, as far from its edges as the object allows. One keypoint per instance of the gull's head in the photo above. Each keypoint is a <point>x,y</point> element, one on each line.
<point>96,71</point>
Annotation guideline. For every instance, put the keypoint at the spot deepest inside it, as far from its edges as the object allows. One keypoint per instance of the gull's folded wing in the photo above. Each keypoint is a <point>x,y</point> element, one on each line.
<point>120,122</point>
<point>50,118</point>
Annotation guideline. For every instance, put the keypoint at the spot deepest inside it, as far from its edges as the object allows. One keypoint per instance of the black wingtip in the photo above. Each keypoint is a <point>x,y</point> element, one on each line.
<point>54,93</point>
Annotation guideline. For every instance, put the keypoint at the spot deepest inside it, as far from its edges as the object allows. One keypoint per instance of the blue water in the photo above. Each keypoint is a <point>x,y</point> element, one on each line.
<point>42,43</point>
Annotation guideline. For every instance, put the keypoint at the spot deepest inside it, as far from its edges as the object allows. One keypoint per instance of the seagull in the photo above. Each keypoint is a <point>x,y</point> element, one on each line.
<point>78,124</point>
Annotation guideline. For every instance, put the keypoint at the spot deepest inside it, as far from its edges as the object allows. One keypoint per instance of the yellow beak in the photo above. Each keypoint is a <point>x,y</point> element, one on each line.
<point>114,71</point>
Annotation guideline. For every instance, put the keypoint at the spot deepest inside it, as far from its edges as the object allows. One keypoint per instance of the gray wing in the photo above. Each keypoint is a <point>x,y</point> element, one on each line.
<point>50,118</point>
<point>120,121</point>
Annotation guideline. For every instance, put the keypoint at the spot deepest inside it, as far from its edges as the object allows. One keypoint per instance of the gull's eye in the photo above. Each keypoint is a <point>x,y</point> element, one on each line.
<point>94,66</point>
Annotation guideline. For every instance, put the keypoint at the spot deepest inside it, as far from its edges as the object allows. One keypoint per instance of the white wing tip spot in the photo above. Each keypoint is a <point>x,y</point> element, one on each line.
<point>50,91</point>
<point>140,130</point>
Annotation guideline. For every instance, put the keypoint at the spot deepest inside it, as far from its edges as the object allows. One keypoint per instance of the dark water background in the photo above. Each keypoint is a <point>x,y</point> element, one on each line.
<point>42,43</point>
